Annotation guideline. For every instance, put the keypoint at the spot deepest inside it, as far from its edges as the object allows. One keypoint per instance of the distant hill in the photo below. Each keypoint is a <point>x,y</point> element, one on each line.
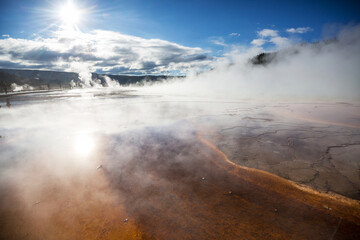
<point>263,58</point>
<point>52,79</point>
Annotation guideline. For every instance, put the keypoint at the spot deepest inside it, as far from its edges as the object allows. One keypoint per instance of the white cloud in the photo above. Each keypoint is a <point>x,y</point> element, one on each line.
<point>258,42</point>
<point>218,41</point>
<point>234,34</point>
<point>280,42</point>
<point>268,33</point>
<point>299,30</point>
<point>6,35</point>
<point>102,51</point>
<point>272,36</point>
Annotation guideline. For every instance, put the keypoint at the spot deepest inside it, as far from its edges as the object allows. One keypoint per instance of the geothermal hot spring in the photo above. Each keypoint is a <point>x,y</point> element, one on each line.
<point>238,152</point>
<point>125,164</point>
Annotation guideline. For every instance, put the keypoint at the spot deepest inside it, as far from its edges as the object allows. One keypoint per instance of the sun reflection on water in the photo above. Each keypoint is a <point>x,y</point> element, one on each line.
<point>84,145</point>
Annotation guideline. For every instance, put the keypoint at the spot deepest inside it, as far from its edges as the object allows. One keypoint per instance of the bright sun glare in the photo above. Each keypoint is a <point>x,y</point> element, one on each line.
<point>84,145</point>
<point>69,14</point>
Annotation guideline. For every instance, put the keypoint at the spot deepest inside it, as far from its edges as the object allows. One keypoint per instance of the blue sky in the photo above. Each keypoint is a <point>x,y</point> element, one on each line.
<point>212,26</point>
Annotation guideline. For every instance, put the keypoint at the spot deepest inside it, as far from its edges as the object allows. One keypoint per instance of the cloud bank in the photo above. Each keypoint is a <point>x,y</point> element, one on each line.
<point>103,52</point>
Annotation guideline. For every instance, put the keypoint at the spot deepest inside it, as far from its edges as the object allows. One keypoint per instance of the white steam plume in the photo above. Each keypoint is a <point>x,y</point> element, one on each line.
<point>323,71</point>
<point>110,82</point>
<point>86,79</point>
<point>85,76</point>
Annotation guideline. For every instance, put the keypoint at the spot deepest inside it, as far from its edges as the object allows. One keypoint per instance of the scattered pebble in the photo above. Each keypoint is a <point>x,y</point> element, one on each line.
<point>100,166</point>
<point>230,192</point>
<point>276,210</point>
<point>126,220</point>
<point>203,178</point>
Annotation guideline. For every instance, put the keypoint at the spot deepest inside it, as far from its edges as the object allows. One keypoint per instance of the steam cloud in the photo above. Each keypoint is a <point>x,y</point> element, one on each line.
<point>321,71</point>
<point>85,77</point>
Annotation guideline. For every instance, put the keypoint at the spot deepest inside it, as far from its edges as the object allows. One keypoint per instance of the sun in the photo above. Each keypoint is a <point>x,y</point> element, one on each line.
<point>70,15</point>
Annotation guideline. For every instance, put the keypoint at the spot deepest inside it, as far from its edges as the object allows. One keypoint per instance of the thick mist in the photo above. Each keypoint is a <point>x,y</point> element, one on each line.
<point>53,147</point>
<point>327,70</point>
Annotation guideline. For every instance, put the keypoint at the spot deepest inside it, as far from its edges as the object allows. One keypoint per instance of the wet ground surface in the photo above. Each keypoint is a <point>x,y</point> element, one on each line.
<point>185,188</point>
<point>299,142</point>
<point>119,165</point>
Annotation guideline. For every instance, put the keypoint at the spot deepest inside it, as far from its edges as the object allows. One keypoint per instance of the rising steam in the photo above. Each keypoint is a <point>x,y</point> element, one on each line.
<point>86,79</point>
<point>320,71</point>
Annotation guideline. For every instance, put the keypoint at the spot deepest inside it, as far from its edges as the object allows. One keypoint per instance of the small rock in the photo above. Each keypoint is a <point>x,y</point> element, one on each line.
<point>100,166</point>
<point>230,192</point>
<point>126,220</point>
<point>276,210</point>
<point>203,178</point>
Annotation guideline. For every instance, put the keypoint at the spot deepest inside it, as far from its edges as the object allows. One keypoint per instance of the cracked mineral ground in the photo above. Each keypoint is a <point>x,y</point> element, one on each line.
<point>115,164</point>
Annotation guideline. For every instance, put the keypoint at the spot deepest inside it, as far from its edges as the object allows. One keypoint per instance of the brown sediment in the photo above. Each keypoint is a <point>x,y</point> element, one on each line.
<point>189,190</point>
<point>82,207</point>
<point>173,187</point>
<point>277,184</point>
